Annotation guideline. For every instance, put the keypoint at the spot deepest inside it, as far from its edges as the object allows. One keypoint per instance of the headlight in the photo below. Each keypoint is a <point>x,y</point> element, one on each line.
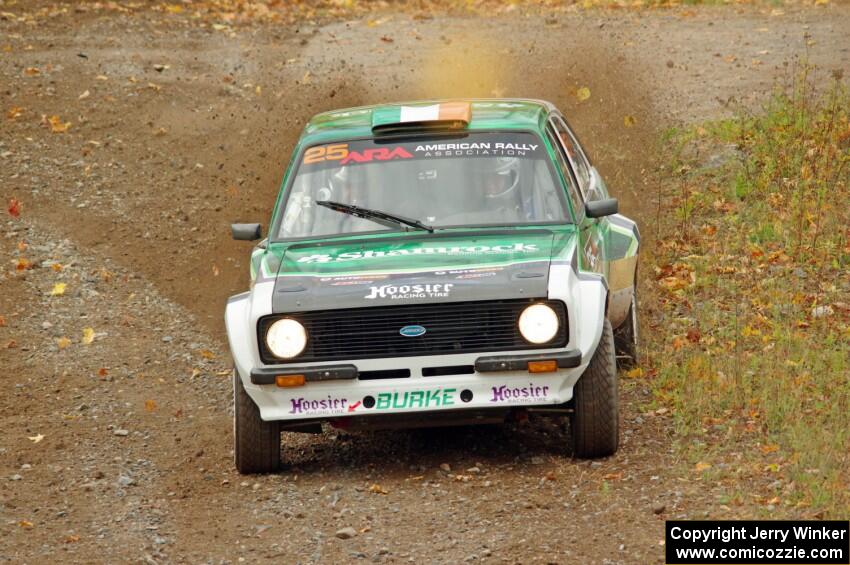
<point>286,338</point>
<point>538,323</point>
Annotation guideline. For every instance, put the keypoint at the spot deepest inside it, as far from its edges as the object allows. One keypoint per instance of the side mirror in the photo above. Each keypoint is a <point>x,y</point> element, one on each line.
<point>246,232</point>
<point>601,208</point>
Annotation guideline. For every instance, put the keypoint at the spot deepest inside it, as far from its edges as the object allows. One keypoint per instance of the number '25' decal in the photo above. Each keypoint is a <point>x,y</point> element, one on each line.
<point>319,153</point>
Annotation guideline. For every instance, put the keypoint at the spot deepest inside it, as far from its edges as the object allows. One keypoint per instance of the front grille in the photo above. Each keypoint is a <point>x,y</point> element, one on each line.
<point>456,327</point>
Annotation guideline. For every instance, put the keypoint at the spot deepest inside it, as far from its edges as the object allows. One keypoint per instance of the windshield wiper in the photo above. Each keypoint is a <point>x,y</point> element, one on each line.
<point>378,216</point>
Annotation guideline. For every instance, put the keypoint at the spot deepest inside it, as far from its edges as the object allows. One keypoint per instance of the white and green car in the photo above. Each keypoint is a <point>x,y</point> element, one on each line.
<point>434,263</point>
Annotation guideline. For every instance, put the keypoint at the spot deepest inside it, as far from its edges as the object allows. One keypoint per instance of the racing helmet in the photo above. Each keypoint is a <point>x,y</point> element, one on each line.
<point>500,176</point>
<point>344,184</point>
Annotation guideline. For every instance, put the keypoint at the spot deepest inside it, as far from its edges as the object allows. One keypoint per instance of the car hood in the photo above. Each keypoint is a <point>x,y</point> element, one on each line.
<point>430,268</point>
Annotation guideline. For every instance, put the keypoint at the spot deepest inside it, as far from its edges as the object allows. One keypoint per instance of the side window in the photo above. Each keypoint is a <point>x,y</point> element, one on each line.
<point>577,159</point>
<point>575,197</point>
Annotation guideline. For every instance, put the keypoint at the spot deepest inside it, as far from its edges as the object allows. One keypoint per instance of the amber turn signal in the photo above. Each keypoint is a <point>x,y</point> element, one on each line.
<point>541,366</point>
<point>285,381</point>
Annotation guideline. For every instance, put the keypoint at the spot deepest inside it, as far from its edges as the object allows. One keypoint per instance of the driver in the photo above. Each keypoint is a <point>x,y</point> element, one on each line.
<point>346,185</point>
<point>500,186</point>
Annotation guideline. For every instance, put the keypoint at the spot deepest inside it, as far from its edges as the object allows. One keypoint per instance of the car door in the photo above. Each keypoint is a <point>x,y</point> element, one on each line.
<point>591,230</point>
<point>617,235</point>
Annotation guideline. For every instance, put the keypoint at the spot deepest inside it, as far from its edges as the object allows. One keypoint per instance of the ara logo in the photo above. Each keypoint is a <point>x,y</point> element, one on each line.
<point>379,154</point>
<point>412,331</point>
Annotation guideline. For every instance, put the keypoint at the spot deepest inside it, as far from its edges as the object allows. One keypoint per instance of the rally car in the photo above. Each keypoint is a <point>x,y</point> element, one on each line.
<point>434,263</point>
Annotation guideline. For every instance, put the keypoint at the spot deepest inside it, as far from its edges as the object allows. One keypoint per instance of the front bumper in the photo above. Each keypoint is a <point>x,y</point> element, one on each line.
<point>488,364</point>
<point>339,390</point>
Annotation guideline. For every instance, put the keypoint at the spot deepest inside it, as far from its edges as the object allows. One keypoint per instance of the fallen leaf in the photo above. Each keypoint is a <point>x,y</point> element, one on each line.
<point>769,448</point>
<point>701,466</point>
<point>14,112</point>
<point>102,372</point>
<point>679,342</point>
<point>36,438</point>
<point>694,335</point>
<point>583,94</point>
<point>635,373</point>
<point>32,71</point>
<point>306,79</point>
<point>215,270</point>
<point>88,336</point>
<point>84,95</point>
<point>378,489</point>
<point>56,267</point>
<point>12,344</point>
<point>387,39</point>
<point>150,405</point>
<point>14,207</point>
<point>23,264</point>
<point>749,331</point>
<point>58,289</point>
<point>63,342</point>
<point>71,539</point>
<point>26,524</point>
<point>56,124</point>
<point>2,321</point>
<point>629,121</point>
<point>207,354</point>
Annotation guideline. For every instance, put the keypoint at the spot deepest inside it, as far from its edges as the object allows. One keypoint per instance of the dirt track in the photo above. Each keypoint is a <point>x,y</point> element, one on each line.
<point>133,203</point>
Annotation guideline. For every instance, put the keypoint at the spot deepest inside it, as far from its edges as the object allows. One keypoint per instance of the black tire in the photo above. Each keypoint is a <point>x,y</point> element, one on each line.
<point>626,338</point>
<point>256,446</point>
<point>595,423</point>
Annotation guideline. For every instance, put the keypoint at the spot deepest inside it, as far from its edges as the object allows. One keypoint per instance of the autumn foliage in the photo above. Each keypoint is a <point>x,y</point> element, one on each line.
<point>750,330</point>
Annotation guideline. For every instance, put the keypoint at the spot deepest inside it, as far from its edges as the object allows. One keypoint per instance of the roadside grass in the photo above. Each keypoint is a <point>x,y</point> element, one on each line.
<point>749,337</point>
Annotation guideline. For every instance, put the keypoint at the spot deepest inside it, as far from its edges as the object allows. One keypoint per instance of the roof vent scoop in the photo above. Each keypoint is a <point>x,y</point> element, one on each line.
<point>441,116</point>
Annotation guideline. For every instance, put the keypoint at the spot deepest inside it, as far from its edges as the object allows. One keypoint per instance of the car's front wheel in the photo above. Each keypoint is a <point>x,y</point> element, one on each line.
<point>256,442</point>
<point>595,420</point>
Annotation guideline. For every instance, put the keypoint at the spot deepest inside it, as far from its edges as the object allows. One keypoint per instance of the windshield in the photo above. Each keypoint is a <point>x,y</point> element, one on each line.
<point>476,179</point>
